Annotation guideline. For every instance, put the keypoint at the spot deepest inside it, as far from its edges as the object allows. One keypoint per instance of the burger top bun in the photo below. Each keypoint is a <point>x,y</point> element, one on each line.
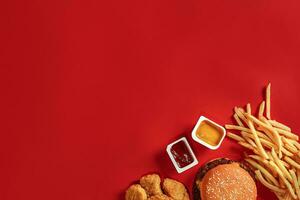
<point>224,179</point>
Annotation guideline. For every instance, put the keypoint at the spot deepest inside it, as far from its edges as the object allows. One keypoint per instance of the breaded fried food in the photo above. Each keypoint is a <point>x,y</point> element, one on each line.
<point>151,183</point>
<point>175,189</point>
<point>160,197</point>
<point>136,192</point>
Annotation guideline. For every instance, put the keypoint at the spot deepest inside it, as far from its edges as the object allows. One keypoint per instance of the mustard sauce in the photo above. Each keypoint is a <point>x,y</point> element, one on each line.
<point>209,133</point>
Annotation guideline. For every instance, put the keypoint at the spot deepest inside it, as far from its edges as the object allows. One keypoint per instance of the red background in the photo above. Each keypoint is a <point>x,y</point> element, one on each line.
<point>93,91</point>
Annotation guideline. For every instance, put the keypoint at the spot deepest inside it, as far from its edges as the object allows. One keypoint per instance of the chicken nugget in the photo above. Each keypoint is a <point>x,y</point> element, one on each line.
<point>175,189</point>
<point>160,197</point>
<point>151,183</point>
<point>136,192</point>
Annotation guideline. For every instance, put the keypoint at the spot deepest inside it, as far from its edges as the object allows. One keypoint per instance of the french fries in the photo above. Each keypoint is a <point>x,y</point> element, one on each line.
<point>276,149</point>
<point>295,182</point>
<point>235,137</point>
<point>292,162</point>
<point>289,145</point>
<point>268,101</point>
<point>249,108</point>
<point>238,121</point>
<point>261,109</point>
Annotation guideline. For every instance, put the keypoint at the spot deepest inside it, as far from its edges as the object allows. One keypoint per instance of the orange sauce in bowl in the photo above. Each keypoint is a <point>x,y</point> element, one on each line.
<point>209,133</point>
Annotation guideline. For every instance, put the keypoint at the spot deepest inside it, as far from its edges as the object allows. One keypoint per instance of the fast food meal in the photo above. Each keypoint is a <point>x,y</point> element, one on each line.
<point>274,148</point>
<point>272,157</point>
<point>150,188</point>
<point>224,179</point>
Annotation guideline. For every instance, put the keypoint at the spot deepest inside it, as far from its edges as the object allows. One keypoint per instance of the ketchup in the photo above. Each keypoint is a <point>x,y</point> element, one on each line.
<point>181,154</point>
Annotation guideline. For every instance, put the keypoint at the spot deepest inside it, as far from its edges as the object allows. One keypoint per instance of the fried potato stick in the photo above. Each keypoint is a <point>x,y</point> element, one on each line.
<point>237,119</point>
<point>295,182</point>
<point>292,162</point>
<point>261,109</point>
<point>268,101</point>
<point>248,108</point>
<point>287,134</point>
<point>249,139</point>
<point>235,137</point>
<point>280,125</point>
<point>289,145</point>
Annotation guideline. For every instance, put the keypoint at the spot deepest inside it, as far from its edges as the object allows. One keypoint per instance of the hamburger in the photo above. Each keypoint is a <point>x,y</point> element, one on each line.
<point>224,179</point>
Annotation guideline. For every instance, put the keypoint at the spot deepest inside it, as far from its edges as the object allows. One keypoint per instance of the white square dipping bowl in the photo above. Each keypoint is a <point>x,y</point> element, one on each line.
<point>197,139</point>
<point>178,168</point>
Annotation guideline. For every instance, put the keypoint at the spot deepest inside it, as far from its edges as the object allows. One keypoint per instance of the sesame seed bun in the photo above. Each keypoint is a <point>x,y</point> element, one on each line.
<point>224,179</point>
